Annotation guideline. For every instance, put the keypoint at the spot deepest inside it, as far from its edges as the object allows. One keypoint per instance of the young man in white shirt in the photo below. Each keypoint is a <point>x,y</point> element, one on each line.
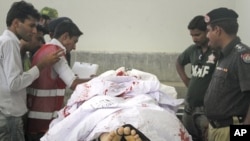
<point>21,24</point>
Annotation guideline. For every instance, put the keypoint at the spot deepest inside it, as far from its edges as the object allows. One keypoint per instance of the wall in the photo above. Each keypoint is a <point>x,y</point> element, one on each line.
<point>160,64</point>
<point>242,8</point>
<point>130,25</point>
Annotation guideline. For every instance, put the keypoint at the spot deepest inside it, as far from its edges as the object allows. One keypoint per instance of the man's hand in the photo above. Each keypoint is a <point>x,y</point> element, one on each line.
<point>247,118</point>
<point>50,59</point>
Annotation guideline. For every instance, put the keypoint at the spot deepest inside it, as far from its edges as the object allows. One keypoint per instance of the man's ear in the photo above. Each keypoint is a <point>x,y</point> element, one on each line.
<point>65,36</point>
<point>218,30</point>
<point>15,23</point>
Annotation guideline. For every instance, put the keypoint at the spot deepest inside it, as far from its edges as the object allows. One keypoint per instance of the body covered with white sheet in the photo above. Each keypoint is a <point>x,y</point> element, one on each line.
<point>116,98</point>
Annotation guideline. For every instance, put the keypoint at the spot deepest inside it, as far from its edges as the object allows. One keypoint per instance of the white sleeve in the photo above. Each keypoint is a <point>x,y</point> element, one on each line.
<point>13,70</point>
<point>64,71</point>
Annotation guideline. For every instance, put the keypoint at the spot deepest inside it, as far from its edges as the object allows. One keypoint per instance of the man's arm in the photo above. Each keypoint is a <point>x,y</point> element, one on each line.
<point>50,59</point>
<point>181,71</point>
<point>78,81</point>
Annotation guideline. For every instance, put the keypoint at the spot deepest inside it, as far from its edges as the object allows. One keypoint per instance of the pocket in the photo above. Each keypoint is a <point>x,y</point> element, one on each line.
<point>219,78</point>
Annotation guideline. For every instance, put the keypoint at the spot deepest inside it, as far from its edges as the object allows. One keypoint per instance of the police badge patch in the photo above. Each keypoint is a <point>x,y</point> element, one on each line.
<point>211,58</point>
<point>246,57</point>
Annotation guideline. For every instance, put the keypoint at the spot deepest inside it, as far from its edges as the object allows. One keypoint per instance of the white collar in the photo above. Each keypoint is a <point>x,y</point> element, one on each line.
<point>58,43</point>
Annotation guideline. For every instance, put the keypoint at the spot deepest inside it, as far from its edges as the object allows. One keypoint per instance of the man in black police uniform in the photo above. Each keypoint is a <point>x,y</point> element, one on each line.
<point>228,96</point>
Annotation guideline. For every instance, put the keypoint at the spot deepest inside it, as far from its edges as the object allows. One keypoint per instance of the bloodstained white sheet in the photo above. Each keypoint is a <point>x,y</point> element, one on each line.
<point>115,98</point>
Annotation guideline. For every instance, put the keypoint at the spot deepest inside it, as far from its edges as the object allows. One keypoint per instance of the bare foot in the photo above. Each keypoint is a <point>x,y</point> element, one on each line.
<point>129,135</point>
<point>113,135</point>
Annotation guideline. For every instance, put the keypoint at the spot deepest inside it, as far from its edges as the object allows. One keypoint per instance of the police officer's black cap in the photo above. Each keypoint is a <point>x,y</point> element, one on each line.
<point>53,23</point>
<point>221,14</point>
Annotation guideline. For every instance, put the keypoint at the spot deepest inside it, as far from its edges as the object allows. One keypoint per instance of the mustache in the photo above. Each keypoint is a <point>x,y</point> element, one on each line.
<point>201,43</point>
<point>197,42</point>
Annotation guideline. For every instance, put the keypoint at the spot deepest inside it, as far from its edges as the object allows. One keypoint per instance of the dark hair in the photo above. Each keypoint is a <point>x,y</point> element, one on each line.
<point>229,26</point>
<point>21,10</point>
<point>197,23</point>
<point>45,17</point>
<point>68,27</point>
<point>40,28</point>
<point>53,23</point>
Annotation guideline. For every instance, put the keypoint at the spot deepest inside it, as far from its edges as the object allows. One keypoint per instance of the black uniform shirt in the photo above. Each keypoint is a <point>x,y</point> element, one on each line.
<point>202,68</point>
<point>228,93</point>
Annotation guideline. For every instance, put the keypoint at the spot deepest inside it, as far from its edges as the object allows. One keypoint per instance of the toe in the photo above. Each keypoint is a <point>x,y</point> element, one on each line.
<point>127,131</point>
